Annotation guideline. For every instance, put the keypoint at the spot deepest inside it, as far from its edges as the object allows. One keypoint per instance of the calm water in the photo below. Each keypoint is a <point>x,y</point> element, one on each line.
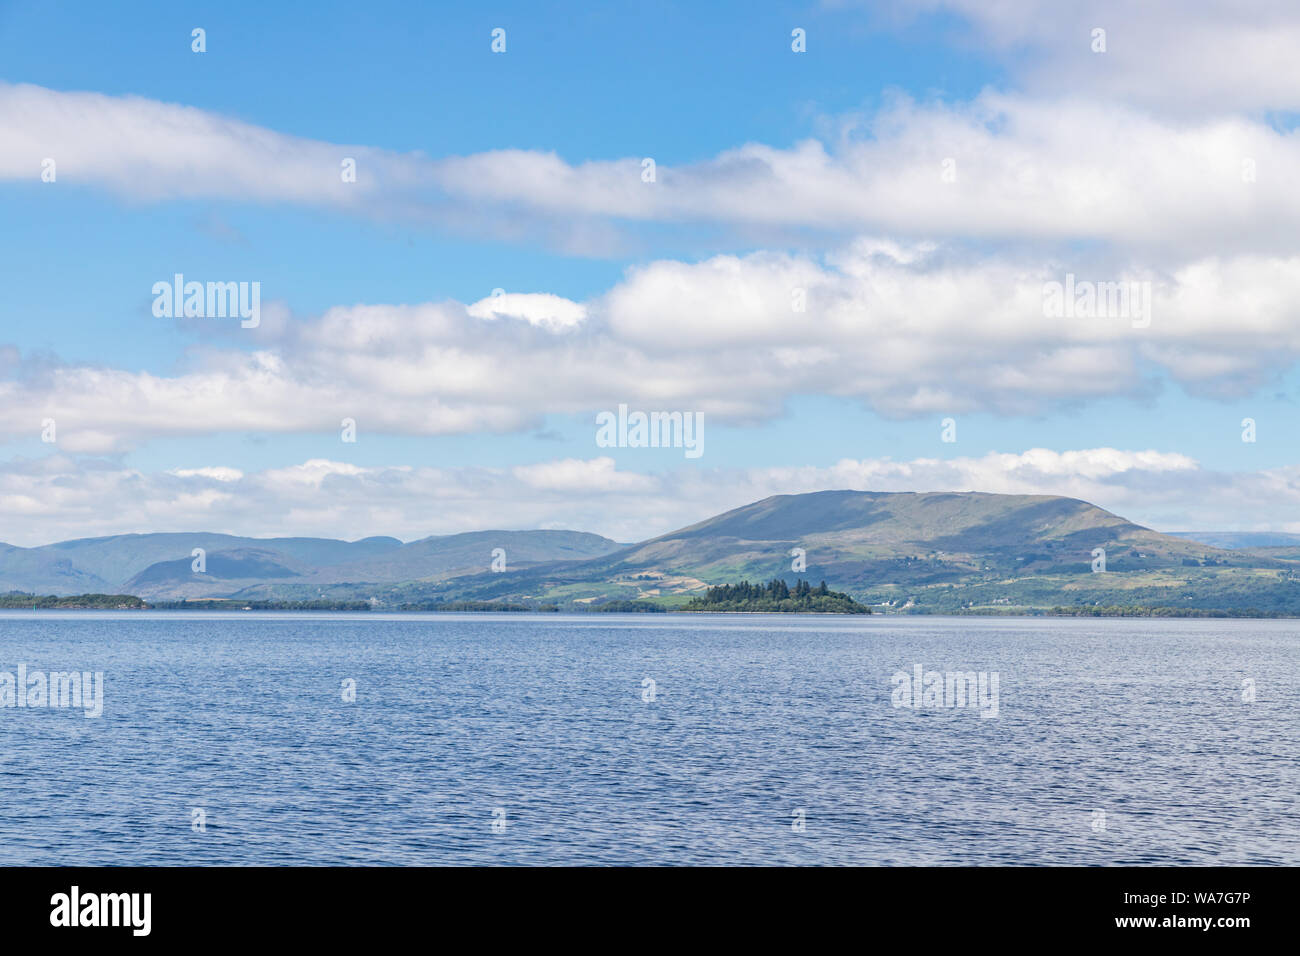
<point>754,718</point>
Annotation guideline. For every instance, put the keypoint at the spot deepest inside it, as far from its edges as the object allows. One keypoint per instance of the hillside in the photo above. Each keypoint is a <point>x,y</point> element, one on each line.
<point>921,552</point>
<point>159,566</point>
<point>113,561</point>
<point>1242,540</point>
<point>867,539</point>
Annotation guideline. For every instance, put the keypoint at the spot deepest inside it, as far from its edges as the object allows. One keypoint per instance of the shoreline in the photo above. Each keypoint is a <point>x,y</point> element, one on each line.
<point>1183,614</point>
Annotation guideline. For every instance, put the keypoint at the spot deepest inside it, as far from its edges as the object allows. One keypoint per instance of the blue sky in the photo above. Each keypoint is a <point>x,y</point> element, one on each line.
<point>482,171</point>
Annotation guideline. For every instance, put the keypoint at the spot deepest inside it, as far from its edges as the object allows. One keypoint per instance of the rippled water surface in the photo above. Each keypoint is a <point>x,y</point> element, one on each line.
<point>754,718</point>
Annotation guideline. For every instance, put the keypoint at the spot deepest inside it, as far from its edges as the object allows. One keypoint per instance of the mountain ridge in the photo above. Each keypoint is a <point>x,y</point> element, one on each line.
<point>939,551</point>
<point>147,563</point>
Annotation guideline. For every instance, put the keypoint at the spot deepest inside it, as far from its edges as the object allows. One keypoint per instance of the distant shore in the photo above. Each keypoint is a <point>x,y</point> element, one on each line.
<point>127,602</point>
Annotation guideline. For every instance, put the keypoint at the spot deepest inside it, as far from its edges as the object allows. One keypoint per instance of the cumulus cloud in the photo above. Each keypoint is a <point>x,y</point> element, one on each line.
<point>219,473</point>
<point>548,311</point>
<point>1179,55</point>
<point>150,150</point>
<point>61,497</point>
<point>1003,166</point>
<point>582,475</point>
<point>907,329</point>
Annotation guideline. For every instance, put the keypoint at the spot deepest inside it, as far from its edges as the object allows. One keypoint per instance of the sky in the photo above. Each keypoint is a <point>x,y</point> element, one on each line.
<point>842,262</point>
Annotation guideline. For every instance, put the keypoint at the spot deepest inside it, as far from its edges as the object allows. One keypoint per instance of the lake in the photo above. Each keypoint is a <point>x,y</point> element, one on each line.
<point>230,738</point>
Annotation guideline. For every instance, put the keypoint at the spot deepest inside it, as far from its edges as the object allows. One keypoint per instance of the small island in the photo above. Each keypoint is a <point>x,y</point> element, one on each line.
<point>777,596</point>
<point>76,602</point>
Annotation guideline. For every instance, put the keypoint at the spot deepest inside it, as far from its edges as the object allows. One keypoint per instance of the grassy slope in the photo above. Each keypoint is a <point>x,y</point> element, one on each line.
<point>937,551</point>
<point>941,551</point>
<point>159,565</point>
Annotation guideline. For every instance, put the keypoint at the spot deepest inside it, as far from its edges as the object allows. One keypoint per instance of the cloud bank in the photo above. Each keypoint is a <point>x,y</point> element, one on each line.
<point>61,497</point>
<point>907,329</point>
<point>1002,166</point>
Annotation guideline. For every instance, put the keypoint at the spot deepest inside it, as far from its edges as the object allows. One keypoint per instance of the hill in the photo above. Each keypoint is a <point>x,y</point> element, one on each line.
<point>159,566</point>
<point>1242,540</point>
<point>939,552</point>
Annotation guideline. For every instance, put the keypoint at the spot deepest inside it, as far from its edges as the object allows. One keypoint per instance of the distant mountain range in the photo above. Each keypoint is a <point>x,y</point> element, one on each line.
<point>937,552</point>
<point>1233,540</point>
<point>160,566</point>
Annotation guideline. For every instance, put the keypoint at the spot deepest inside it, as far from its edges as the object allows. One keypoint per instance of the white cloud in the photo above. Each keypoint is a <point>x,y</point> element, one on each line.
<point>313,473</point>
<point>1180,55</point>
<point>581,475</point>
<point>542,309</point>
<point>59,497</point>
<point>219,473</point>
<point>151,150</point>
<point>908,330</point>
<point>1056,168</point>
